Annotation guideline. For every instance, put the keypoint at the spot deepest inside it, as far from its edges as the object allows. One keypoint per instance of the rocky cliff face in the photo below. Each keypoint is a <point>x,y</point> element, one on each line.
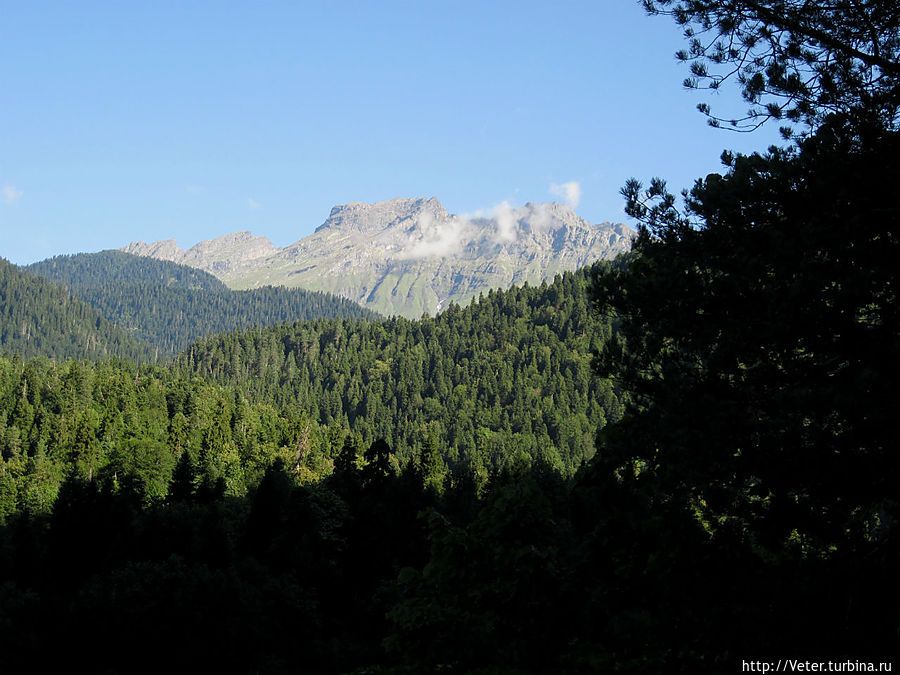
<point>218,256</point>
<point>409,256</point>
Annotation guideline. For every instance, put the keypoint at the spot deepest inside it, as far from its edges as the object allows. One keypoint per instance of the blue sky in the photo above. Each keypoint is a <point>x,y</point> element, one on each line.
<point>124,121</point>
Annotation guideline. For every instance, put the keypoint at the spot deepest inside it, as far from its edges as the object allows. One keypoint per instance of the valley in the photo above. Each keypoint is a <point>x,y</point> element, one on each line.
<point>508,442</point>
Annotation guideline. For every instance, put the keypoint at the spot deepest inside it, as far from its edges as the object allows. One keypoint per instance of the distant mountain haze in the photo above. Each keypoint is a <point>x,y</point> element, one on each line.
<point>408,256</point>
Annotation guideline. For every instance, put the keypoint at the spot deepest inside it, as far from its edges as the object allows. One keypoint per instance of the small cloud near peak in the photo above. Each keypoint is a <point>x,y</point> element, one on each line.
<point>507,218</point>
<point>253,204</point>
<point>435,239</point>
<point>570,192</point>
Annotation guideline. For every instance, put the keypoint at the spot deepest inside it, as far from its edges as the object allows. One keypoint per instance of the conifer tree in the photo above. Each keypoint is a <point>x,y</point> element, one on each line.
<point>758,332</point>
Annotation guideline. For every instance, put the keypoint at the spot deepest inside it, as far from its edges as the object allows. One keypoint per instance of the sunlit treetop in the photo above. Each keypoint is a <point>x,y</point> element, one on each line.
<point>796,61</point>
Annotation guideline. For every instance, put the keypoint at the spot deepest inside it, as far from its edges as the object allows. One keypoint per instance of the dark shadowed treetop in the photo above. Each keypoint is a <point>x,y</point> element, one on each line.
<point>758,335</point>
<point>795,60</point>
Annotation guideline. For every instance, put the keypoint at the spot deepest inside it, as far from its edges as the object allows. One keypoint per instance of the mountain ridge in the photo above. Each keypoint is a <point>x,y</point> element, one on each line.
<point>408,256</point>
<point>168,305</point>
<point>40,318</point>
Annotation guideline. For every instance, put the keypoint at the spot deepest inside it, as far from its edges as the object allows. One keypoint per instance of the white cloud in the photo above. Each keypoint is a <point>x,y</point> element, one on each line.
<point>504,223</point>
<point>437,239</point>
<point>540,217</point>
<point>570,192</point>
<point>253,204</point>
<point>10,194</point>
<point>507,218</point>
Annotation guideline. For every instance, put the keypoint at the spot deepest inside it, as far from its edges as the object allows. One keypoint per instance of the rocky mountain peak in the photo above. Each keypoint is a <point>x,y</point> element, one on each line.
<point>409,256</point>
<point>363,217</point>
<point>213,255</point>
<point>161,250</point>
<point>555,210</point>
<point>242,243</point>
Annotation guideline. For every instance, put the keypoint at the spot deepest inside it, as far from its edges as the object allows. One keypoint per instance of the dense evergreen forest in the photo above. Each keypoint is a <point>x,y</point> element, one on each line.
<point>506,379</point>
<point>40,318</point>
<point>508,375</point>
<point>134,496</point>
<point>110,268</point>
<point>352,496</point>
<point>168,306</point>
<point>115,421</point>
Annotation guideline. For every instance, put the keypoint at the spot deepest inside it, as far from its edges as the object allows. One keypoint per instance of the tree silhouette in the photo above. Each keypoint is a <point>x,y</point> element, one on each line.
<point>794,60</point>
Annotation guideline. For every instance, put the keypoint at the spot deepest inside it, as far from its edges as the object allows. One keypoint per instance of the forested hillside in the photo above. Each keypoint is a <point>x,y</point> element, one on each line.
<point>683,461</point>
<point>168,305</point>
<point>134,495</point>
<point>129,424</point>
<point>106,268</point>
<point>505,380</point>
<point>40,318</point>
<point>509,375</point>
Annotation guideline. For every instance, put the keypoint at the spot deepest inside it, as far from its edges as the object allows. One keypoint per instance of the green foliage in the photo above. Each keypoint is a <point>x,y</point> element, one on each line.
<point>372,570</point>
<point>746,500</point>
<point>107,268</point>
<point>506,378</point>
<point>508,375</point>
<point>761,349</point>
<point>794,60</point>
<point>168,306</point>
<point>39,318</point>
<point>758,341</point>
<point>129,426</point>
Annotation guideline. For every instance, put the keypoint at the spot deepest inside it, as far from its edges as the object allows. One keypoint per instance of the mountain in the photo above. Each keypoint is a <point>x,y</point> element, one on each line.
<point>219,256</point>
<point>168,305</point>
<point>409,256</point>
<point>41,318</point>
<point>94,270</point>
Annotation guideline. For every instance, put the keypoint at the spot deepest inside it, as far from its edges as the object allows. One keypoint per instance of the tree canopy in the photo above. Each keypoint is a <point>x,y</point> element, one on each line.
<point>40,318</point>
<point>794,60</point>
<point>758,331</point>
<point>168,306</point>
<point>509,375</point>
<point>439,508</point>
<point>761,350</point>
<point>756,326</point>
